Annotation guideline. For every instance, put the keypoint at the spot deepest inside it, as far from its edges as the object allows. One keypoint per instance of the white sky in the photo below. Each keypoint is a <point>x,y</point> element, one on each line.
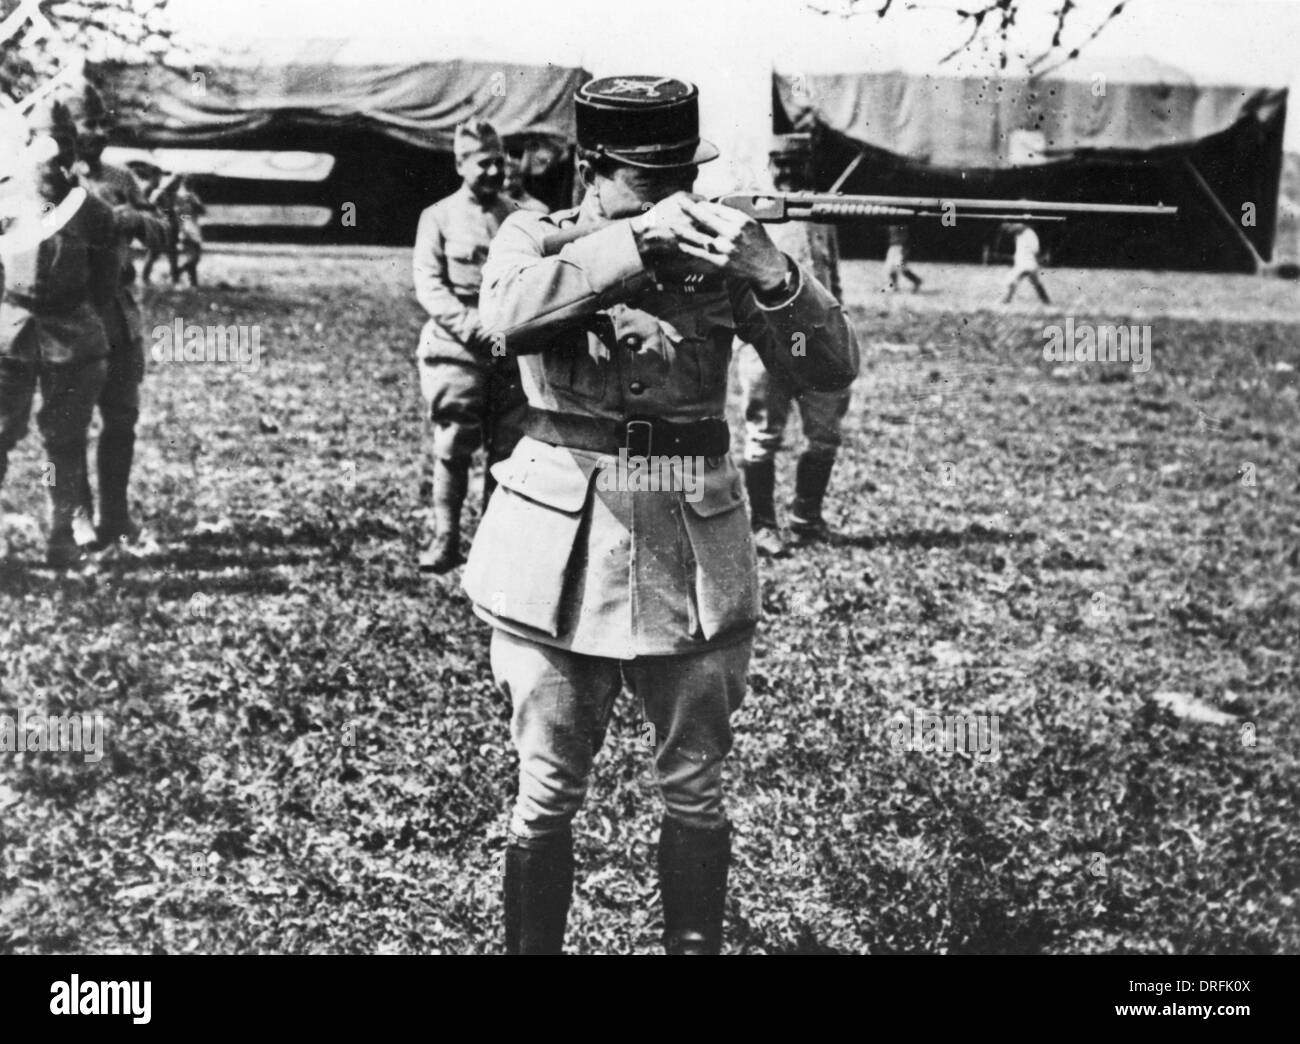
<point>729,47</point>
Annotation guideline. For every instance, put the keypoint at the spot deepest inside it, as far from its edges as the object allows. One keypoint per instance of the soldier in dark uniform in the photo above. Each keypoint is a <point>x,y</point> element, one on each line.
<point>623,338</point>
<point>119,401</point>
<point>768,399</point>
<point>472,392</point>
<point>51,331</point>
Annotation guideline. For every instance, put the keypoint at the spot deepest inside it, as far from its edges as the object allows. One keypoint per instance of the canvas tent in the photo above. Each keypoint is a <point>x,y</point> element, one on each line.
<point>389,77</point>
<point>1128,131</point>
<point>386,117</point>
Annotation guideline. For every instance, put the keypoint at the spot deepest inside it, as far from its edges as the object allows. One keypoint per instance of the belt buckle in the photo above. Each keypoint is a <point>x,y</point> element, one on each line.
<point>638,434</point>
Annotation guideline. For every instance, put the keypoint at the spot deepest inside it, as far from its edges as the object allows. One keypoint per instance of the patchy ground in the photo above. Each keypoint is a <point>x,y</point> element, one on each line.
<point>304,751</point>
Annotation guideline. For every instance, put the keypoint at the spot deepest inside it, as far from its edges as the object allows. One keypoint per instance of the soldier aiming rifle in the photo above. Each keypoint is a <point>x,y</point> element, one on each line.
<point>623,337</point>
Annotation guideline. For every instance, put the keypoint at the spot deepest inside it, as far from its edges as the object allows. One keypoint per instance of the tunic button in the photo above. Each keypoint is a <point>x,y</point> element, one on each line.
<point>636,387</point>
<point>632,342</point>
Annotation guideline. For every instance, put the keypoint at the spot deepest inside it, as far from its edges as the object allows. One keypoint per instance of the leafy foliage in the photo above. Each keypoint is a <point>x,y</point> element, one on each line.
<point>54,33</point>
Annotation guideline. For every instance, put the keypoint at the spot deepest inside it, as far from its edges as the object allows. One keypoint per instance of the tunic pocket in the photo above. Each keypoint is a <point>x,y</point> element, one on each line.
<point>587,363</point>
<point>465,263</point>
<point>523,550</point>
<point>726,570</point>
<point>701,343</point>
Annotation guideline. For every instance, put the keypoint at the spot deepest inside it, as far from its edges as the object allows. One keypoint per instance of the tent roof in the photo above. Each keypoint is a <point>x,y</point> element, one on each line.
<point>411,92</point>
<point>728,48</point>
<point>980,122</point>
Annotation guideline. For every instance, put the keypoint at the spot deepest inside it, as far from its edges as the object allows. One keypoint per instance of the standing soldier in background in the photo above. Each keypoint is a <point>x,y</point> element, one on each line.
<point>472,391</point>
<point>767,398</point>
<point>896,257</point>
<point>515,183</point>
<point>1025,263</point>
<point>150,178</point>
<point>623,338</point>
<point>188,208</point>
<point>51,330</point>
<point>182,208</point>
<point>119,402</point>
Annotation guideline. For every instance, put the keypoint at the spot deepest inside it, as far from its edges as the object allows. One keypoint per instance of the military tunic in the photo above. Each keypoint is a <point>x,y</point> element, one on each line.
<point>119,189</point>
<point>558,559</point>
<point>466,387</point>
<point>51,331</point>
<point>48,312</point>
<point>451,246</point>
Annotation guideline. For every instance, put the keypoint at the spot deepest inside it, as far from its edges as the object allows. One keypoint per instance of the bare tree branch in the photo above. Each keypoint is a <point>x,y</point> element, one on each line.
<point>1075,51</point>
<point>44,36</point>
<point>980,22</point>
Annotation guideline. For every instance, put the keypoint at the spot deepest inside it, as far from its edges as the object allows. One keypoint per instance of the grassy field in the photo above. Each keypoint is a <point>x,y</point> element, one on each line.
<point>305,752</point>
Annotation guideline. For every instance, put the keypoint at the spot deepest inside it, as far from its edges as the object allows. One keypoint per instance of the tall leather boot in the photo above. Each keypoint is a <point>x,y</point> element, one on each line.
<point>116,453</point>
<point>693,867</point>
<point>450,482</point>
<point>812,476</point>
<point>760,485</point>
<point>65,501</point>
<point>538,886</point>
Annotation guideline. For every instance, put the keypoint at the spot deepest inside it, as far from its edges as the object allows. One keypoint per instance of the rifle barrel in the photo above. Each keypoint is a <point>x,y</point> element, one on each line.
<point>786,206</point>
<point>832,206</point>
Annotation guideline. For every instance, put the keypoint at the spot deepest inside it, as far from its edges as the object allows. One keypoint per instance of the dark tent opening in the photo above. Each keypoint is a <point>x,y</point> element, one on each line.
<point>388,128</point>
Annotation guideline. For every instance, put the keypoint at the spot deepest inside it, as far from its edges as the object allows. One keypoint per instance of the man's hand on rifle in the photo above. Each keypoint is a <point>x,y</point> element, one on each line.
<point>701,236</point>
<point>736,244</point>
<point>662,229</point>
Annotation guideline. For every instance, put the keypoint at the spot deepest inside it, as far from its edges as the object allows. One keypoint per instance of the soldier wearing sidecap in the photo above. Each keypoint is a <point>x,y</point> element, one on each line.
<point>471,390</point>
<point>623,337</point>
<point>56,285</point>
<point>768,398</point>
<point>119,401</point>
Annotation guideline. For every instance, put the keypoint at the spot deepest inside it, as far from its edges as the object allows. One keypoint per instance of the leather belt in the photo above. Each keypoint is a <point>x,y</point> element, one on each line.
<point>640,436</point>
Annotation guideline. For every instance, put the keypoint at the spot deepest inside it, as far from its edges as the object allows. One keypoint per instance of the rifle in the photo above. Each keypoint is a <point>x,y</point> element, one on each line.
<point>772,207</point>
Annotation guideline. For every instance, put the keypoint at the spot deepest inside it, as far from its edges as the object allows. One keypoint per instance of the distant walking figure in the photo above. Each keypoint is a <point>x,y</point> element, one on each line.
<point>896,258</point>
<point>1025,264</point>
